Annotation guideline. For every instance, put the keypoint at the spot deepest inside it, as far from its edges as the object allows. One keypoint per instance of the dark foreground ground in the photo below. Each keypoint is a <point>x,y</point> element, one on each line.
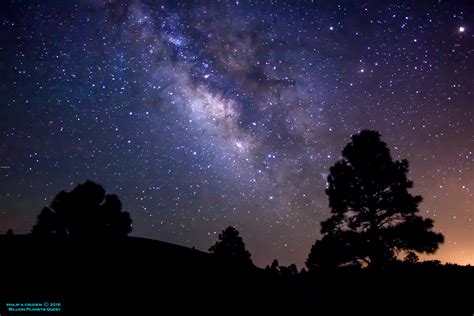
<point>134,276</point>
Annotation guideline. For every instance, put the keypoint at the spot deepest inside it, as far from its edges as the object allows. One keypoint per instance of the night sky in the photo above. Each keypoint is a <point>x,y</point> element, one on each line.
<point>204,115</point>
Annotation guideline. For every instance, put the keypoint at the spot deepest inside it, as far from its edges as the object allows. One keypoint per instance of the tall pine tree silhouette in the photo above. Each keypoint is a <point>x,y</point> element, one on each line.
<point>373,216</point>
<point>231,246</point>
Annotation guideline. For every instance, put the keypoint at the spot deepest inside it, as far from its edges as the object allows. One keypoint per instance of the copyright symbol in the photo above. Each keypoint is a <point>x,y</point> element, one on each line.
<point>46,304</point>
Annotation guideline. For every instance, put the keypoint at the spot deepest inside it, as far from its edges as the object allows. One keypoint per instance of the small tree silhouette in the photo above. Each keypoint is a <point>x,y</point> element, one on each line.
<point>275,265</point>
<point>85,211</point>
<point>411,258</point>
<point>289,271</point>
<point>373,214</point>
<point>231,246</point>
<point>274,268</point>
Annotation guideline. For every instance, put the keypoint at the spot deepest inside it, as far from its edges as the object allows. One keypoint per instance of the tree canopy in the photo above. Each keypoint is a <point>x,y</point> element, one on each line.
<point>85,211</point>
<point>231,246</point>
<point>373,215</point>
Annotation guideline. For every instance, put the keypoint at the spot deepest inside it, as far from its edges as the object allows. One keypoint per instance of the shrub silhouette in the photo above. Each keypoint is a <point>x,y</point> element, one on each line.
<point>411,258</point>
<point>231,246</point>
<point>289,271</point>
<point>286,272</point>
<point>274,268</point>
<point>373,216</point>
<point>85,211</point>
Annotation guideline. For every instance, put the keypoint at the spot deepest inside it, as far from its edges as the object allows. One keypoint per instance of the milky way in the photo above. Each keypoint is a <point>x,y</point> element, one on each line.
<point>209,114</point>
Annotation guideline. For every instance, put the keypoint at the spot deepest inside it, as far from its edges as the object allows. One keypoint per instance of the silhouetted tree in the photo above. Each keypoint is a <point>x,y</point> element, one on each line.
<point>85,211</point>
<point>274,267</point>
<point>9,232</point>
<point>231,246</point>
<point>411,258</point>
<point>431,264</point>
<point>289,271</point>
<point>373,214</point>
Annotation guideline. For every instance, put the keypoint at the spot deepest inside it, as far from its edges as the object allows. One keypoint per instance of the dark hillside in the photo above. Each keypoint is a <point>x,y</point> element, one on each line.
<point>136,276</point>
<point>119,275</point>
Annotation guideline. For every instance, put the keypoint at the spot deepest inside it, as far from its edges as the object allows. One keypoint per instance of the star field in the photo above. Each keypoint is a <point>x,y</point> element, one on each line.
<point>209,114</point>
